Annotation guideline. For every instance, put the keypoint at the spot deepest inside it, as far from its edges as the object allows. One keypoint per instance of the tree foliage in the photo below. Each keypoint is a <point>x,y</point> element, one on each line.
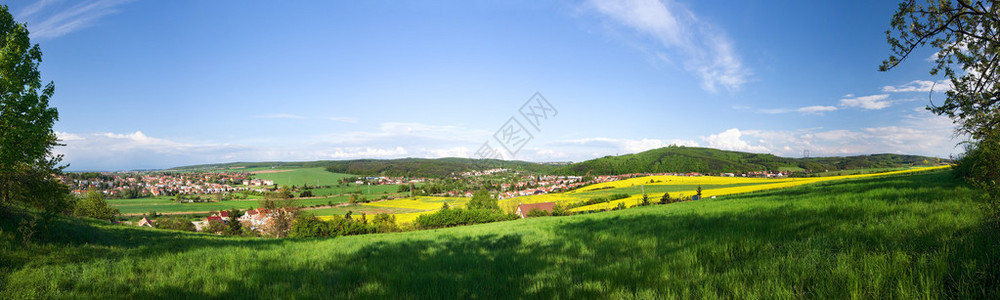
<point>26,135</point>
<point>93,205</point>
<point>234,227</point>
<point>481,199</point>
<point>965,35</point>
<point>174,223</point>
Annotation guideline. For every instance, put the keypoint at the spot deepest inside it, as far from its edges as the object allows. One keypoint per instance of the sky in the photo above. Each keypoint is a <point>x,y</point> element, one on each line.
<point>159,84</point>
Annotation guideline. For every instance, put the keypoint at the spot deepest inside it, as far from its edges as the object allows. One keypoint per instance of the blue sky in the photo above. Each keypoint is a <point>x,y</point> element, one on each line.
<point>156,84</point>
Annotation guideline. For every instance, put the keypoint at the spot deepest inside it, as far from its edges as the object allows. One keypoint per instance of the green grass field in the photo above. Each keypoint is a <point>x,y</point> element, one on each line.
<point>901,237</point>
<point>302,176</point>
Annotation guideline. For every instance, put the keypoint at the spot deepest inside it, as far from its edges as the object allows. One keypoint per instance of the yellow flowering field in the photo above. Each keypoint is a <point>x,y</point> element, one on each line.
<point>777,184</point>
<point>433,204</point>
<point>421,202</point>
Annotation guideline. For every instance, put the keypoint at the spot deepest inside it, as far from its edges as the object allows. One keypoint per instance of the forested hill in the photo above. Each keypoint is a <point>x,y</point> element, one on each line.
<point>669,159</point>
<point>707,160</point>
<point>421,167</point>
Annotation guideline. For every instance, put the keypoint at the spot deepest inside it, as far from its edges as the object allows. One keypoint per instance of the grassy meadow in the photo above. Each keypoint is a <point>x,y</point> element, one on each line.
<point>301,176</point>
<point>902,237</point>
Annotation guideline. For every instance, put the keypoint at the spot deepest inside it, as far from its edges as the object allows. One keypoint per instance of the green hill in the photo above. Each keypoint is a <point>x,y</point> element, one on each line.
<point>707,160</point>
<point>421,167</point>
<point>903,237</point>
<point>667,159</point>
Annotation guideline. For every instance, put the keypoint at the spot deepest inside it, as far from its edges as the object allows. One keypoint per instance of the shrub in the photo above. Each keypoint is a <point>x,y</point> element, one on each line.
<point>94,206</point>
<point>458,216</point>
<point>174,223</point>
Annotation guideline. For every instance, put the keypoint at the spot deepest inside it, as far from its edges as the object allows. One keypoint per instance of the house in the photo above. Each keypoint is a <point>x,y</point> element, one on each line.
<point>145,222</point>
<point>260,218</point>
<point>524,209</point>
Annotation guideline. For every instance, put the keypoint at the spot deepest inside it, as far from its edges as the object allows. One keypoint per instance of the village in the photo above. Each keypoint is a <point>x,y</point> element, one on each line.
<point>138,185</point>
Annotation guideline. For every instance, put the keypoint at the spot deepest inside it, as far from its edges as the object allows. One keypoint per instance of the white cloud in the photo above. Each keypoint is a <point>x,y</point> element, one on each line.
<point>873,102</point>
<point>280,116</point>
<point>448,152</point>
<point>344,119</point>
<point>919,86</point>
<point>66,136</point>
<point>47,20</point>
<point>705,50</point>
<point>812,110</point>
<point>623,146</point>
<point>366,152</point>
<point>816,109</point>
<point>731,140</point>
<point>110,151</point>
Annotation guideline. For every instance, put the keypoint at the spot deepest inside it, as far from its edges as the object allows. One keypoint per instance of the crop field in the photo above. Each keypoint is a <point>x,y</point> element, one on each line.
<point>357,209</point>
<point>408,209</point>
<point>912,236</point>
<point>680,187</point>
<point>370,191</point>
<point>302,176</point>
<point>165,205</point>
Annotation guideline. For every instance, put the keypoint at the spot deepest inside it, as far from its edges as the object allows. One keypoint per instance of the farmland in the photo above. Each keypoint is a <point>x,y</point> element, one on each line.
<point>680,186</point>
<point>166,205</point>
<point>908,236</point>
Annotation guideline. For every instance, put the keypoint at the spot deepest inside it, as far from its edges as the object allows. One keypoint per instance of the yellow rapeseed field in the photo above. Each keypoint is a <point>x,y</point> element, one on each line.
<point>710,180</point>
<point>433,204</point>
<point>421,202</point>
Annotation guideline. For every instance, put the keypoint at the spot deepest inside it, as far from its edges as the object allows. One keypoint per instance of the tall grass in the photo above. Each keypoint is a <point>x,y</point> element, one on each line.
<point>912,237</point>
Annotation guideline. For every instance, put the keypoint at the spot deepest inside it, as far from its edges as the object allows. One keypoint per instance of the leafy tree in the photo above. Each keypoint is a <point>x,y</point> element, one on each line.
<point>305,193</point>
<point>215,226</point>
<point>26,135</point>
<point>665,199</point>
<point>94,206</point>
<point>560,210</point>
<point>980,167</point>
<point>233,227</point>
<point>645,199</point>
<point>964,34</point>
<point>481,199</point>
<point>306,226</point>
<point>698,192</point>
<point>174,223</point>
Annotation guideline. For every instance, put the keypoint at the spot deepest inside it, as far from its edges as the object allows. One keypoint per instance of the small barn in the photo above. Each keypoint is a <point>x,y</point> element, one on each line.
<point>524,209</point>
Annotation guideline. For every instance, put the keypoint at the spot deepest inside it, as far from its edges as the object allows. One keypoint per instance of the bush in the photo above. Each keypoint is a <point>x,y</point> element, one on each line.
<point>94,206</point>
<point>309,226</point>
<point>457,216</point>
<point>174,223</point>
<point>215,226</point>
<point>538,213</point>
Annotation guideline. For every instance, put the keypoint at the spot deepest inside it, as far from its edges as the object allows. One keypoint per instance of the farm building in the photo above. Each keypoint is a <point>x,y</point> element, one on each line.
<point>524,209</point>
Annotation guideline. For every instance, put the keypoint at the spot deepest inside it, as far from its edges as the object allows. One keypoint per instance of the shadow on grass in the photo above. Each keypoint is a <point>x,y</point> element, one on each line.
<point>789,246</point>
<point>61,240</point>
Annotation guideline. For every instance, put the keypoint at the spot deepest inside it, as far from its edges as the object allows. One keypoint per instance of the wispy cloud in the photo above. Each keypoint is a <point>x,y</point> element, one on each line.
<point>818,109</point>
<point>50,19</point>
<point>810,110</point>
<point>873,102</point>
<point>706,51</point>
<point>280,116</point>
<point>344,119</point>
<point>919,86</point>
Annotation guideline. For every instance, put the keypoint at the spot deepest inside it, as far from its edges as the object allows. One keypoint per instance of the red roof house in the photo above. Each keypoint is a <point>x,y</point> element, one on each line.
<point>524,209</point>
